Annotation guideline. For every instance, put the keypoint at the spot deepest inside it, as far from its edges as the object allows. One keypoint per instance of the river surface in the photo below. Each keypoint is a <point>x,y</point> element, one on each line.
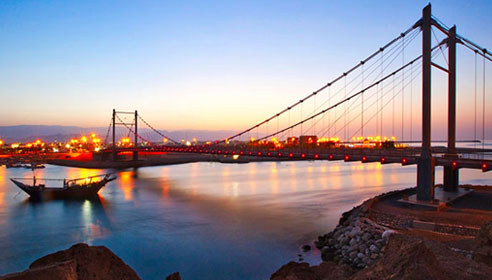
<point>205,220</point>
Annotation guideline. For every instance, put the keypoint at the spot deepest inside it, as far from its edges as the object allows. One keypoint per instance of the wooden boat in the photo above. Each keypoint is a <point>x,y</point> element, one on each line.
<point>80,188</point>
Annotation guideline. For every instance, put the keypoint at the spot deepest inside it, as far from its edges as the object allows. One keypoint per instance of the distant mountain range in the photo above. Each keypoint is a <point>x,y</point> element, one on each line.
<point>50,133</point>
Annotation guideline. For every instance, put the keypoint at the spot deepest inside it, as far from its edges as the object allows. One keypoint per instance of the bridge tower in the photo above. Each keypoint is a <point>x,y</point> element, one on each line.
<point>451,175</point>
<point>135,132</point>
<point>426,164</point>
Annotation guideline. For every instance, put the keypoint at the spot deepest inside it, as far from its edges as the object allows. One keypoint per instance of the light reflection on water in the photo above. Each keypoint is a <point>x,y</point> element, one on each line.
<point>206,220</point>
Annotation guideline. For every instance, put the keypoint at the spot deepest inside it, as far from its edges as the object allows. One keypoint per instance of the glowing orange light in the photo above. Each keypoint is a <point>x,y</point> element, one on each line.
<point>454,164</point>
<point>1,142</point>
<point>93,135</point>
<point>83,139</point>
<point>252,139</point>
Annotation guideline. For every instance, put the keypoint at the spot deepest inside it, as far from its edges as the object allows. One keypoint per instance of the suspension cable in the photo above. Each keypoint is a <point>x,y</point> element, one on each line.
<point>414,26</point>
<point>344,100</point>
<point>157,131</point>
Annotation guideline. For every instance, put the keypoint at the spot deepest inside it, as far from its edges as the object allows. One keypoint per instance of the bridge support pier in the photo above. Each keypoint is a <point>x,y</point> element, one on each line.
<point>451,179</point>
<point>425,178</point>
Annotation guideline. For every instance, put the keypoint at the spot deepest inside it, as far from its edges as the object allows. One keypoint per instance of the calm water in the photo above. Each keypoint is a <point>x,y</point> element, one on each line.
<point>205,220</point>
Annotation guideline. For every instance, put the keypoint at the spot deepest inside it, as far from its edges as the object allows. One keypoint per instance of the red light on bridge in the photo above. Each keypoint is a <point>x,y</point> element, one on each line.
<point>250,153</point>
<point>484,166</point>
<point>454,164</point>
<point>241,153</point>
<point>258,154</point>
<point>233,152</point>
<point>291,155</point>
<point>346,157</point>
<point>330,157</point>
<point>226,152</point>
<point>403,160</point>
<point>212,151</point>
<point>201,150</point>
<point>383,160</point>
<point>303,155</point>
<point>269,154</point>
<point>316,156</point>
<point>279,154</point>
<point>364,158</point>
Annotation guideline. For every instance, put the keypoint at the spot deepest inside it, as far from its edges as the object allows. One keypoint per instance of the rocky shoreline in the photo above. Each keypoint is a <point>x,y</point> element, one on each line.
<point>367,244</point>
<point>356,241</point>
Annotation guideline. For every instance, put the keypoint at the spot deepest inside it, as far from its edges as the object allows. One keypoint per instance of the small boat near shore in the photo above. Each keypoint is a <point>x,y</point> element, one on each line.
<point>29,166</point>
<point>79,188</point>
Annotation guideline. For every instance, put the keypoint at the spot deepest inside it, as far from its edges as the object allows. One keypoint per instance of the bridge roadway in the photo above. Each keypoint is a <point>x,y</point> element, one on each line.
<point>463,158</point>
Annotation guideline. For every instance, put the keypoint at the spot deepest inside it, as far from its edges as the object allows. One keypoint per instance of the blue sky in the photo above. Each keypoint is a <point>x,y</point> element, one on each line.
<point>192,65</point>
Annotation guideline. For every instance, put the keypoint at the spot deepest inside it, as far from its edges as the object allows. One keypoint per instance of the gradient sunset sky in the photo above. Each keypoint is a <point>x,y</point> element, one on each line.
<point>196,64</point>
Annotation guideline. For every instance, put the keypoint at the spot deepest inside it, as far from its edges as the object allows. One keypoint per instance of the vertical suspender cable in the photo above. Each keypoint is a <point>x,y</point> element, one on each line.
<point>393,102</point>
<point>329,113</point>
<point>301,119</point>
<point>411,102</point>
<point>362,106</point>
<point>314,123</point>
<point>345,134</point>
<point>402,90</point>
<point>483,106</point>
<point>382,93</point>
<point>475,125</point>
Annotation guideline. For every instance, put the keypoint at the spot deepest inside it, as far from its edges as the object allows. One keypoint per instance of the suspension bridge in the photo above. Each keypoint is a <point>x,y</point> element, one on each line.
<point>378,96</point>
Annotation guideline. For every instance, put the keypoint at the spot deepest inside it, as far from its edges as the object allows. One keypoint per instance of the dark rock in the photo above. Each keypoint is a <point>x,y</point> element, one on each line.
<point>353,254</point>
<point>327,254</point>
<point>174,276</point>
<point>306,248</point>
<point>80,261</point>
<point>406,259</point>
<point>366,236</point>
<point>63,270</point>
<point>294,271</point>
<point>302,271</point>
<point>483,248</point>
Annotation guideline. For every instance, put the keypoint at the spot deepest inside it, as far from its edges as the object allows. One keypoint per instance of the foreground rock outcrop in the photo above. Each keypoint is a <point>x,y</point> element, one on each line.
<point>80,261</point>
<point>405,257</point>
